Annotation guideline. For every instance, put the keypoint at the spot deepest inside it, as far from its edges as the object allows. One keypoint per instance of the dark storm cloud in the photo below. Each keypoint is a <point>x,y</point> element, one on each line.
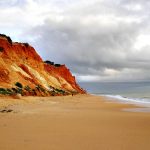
<point>97,39</point>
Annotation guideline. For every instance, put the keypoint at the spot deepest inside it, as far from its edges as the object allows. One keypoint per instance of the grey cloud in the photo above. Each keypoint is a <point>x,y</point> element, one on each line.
<point>81,48</point>
<point>94,38</point>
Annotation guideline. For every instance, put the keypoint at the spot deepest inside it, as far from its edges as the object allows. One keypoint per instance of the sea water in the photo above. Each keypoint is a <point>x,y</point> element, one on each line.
<point>125,92</point>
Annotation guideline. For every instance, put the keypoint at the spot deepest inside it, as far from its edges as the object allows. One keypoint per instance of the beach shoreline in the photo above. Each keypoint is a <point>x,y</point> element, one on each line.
<point>81,122</point>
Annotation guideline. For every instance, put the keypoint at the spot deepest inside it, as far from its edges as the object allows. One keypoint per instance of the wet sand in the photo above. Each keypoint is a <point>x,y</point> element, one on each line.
<point>81,122</point>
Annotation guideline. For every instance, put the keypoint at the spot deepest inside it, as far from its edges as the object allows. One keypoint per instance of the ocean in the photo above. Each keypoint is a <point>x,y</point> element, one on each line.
<point>126,92</point>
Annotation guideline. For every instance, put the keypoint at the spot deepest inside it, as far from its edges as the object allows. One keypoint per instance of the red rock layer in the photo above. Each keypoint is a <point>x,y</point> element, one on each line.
<point>20,63</point>
<point>65,73</point>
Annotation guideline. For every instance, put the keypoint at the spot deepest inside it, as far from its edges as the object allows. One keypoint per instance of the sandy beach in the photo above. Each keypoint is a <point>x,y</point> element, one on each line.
<point>81,122</point>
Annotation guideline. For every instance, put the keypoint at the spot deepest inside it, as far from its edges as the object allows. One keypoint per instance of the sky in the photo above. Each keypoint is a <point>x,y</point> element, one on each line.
<point>98,40</point>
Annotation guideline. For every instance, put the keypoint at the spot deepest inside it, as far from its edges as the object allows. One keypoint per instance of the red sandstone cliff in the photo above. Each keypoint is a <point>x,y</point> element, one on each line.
<point>19,62</point>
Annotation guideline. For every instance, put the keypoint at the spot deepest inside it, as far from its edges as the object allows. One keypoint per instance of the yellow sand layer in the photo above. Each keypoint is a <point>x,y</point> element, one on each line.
<point>81,122</point>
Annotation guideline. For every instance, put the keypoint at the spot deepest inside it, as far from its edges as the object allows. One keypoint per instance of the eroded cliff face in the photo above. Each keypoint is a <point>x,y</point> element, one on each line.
<point>19,62</point>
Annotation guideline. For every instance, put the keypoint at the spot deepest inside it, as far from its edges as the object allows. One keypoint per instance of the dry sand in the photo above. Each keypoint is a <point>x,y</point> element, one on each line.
<point>81,122</point>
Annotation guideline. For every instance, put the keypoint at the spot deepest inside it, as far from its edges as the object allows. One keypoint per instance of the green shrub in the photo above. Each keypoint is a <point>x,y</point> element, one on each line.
<point>19,85</point>
<point>7,37</point>
<point>49,62</point>
<point>5,91</point>
<point>60,91</point>
<point>27,88</point>
<point>52,63</point>
<point>19,88</point>
<point>14,90</point>
<point>26,45</point>
<point>40,88</point>
<point>20,91</point>
<point>53,93</point>
<point>57,65</point>
<point>9,91</point>
<point>9,40</point>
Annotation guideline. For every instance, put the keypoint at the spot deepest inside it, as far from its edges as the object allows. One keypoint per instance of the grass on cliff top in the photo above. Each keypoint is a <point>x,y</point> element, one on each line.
<point>52,63</point>
<point>7,37</point>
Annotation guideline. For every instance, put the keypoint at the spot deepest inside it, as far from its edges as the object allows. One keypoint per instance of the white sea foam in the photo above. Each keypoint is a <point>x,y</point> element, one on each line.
<point>145,102</point>
<point>128,99</point>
